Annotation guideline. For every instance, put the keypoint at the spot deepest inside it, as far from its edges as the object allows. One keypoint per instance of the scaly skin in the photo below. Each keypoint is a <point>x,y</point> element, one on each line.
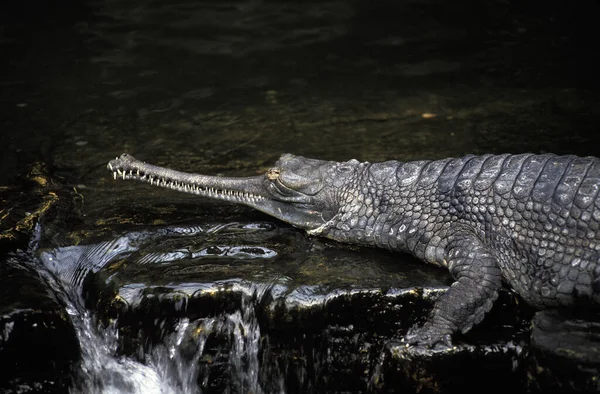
<point>530,221</point>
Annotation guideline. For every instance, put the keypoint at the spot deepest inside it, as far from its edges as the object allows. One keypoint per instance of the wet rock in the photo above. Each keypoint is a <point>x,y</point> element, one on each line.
<point>257,306</point>
<point>565,352</point>
<point>495,351</point>
<point>263,306</point>
<point>38,345</point>
<point>21,204</point>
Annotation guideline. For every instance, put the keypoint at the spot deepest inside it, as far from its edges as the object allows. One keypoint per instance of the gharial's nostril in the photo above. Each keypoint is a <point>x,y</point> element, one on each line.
<point>273,173</point>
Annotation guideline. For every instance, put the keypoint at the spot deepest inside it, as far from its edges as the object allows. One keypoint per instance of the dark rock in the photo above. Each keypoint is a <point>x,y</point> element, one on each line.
<point>38,345</point>
<point>565,352</point>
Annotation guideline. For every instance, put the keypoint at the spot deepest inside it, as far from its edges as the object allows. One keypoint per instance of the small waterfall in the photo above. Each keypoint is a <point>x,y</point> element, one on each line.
<point>182,368</point>
<point>172,366</point>
<point>103,371</point>
<point>244,352</point>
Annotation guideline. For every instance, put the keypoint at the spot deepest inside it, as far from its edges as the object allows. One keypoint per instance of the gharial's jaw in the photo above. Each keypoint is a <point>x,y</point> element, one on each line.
<point>260,192</point>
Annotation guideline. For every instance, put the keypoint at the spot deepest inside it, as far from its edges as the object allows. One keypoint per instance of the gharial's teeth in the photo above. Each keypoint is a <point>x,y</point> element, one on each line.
<point>115,175</point>
<point>138,172</point>
<point>119,171</point>
<point>123,175</point>
<point>151,179</point>
<point>110,166</point>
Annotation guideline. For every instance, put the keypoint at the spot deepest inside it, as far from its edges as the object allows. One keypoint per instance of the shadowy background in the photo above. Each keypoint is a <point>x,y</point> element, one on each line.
<point>227,86</point>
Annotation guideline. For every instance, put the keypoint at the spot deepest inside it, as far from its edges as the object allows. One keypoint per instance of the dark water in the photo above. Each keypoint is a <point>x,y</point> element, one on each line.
<point>224,88</point>
<point>229,86</point>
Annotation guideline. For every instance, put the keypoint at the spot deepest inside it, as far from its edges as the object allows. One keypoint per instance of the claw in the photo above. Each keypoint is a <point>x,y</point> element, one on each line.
<point>429,337</point>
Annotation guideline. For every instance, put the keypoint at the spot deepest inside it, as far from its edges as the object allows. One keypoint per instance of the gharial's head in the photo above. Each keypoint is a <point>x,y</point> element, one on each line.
<point>303,192</point>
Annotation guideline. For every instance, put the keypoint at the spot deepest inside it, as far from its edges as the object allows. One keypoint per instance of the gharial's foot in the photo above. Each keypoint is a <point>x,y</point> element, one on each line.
<point>429,336</point>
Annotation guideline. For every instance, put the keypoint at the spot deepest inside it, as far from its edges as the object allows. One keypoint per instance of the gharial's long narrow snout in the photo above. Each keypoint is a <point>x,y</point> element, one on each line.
<point>240,190</point>
<point>261,192</point>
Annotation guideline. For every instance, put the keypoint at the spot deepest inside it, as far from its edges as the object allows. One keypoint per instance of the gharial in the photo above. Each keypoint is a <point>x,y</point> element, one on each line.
<point>529,221</point>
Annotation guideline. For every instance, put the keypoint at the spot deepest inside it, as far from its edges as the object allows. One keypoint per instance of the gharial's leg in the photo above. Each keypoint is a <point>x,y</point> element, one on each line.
<point>478,279</point>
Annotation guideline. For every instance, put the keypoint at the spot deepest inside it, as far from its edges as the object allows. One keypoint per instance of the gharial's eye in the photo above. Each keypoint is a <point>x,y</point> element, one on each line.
<point>344,168</point>
<point>273,173</point>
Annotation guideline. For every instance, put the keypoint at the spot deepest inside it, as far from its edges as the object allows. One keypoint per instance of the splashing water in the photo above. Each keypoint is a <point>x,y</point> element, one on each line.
<point>102,371</point>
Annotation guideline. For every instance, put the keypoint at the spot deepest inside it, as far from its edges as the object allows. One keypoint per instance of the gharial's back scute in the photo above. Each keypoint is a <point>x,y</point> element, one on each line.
<point>549,178</point>
<point>569,187</point>
<point>431,172</point>
<point>587,193</point>
<point>490,170</point>
<point>508,174</point>
<point>451,173</point>
<point>408,173</point>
